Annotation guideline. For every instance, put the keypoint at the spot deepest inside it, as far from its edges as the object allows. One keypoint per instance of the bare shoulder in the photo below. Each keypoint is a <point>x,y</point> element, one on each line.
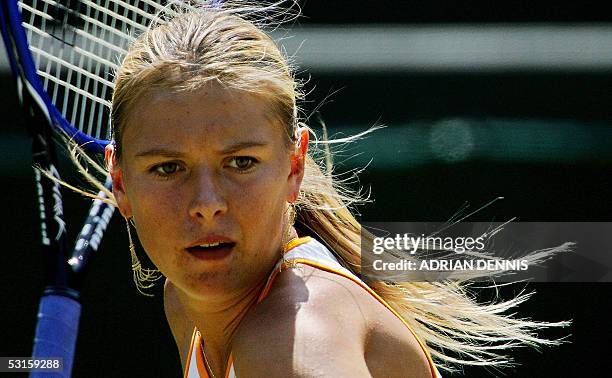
<point>316,323</point>
<point>180,326</point>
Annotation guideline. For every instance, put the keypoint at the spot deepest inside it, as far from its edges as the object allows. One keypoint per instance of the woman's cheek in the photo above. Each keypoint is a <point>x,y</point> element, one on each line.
<point>155,209</point>
<point>258,194</point>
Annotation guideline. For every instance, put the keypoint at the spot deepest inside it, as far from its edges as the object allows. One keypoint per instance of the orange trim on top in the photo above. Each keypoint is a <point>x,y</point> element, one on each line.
<point>230,363</point>
<point>197,340</point>
<point>266,289</point>
<point>295,243</point>
<point>200,365</point>
<point>193,335</point>
<point>364,286</point>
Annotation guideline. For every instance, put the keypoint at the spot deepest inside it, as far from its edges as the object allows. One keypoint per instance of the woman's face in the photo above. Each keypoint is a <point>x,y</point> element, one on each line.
<point>206,177</point>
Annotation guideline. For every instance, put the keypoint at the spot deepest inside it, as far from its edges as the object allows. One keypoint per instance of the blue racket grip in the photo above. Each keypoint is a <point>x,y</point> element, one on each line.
<point>56,332</point>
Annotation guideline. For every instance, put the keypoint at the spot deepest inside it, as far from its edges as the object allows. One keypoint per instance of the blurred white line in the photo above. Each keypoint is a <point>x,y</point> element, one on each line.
<point>505,47</point>
<point>4,63</point>
<point>441,48</point>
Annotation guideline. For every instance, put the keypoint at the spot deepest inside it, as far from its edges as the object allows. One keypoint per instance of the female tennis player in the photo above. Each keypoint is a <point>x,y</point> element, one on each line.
<point>211,165</point>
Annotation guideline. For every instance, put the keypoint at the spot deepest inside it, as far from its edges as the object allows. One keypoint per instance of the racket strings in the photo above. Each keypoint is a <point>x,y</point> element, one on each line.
<point>76,46</point>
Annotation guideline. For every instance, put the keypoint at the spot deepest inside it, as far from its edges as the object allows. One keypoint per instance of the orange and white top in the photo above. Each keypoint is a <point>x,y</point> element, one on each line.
<point>308,251</point>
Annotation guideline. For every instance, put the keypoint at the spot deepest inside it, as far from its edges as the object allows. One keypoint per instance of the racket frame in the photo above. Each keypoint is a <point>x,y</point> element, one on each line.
<point>59,308</point>
<point>35,87</point>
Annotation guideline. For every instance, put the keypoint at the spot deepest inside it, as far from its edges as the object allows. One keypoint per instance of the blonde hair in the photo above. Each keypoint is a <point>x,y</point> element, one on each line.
<point>226,44</point>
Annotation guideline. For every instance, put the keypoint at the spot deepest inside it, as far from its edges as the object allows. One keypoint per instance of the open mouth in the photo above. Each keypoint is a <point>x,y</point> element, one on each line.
<point>212,251</point>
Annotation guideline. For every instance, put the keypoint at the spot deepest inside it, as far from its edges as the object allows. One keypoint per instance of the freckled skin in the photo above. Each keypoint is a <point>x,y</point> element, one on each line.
<point>209,193</point>
<point>215,163</point>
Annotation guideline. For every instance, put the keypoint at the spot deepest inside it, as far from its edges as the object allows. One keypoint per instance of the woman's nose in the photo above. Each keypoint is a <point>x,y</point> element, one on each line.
<point>208,199</point>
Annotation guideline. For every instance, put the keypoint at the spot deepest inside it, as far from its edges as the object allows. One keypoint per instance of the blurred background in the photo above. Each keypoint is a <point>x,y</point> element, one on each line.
<point>479,100</point>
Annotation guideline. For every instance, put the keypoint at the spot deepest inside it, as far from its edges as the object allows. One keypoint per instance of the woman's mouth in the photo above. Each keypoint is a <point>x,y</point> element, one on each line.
<point>211,251</point>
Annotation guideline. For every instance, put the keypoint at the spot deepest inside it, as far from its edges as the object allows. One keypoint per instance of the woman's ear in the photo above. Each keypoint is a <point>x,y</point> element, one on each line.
<point>117,178</point>
<point>298,161</point>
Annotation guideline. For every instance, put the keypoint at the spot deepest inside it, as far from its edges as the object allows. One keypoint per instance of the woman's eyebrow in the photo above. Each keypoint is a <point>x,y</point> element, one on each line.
<point>160,152</point>
<point>165,152</point>
<point>241,146</point>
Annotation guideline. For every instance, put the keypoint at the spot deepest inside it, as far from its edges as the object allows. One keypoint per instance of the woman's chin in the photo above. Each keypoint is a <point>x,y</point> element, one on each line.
<point>210,285</point>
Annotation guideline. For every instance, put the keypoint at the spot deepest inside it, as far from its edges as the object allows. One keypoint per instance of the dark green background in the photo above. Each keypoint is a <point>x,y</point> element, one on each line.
<point>124,334</point>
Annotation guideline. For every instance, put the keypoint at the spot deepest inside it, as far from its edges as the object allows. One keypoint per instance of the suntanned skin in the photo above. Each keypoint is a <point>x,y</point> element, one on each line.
<point>314,324</point>
<point>215,162</point>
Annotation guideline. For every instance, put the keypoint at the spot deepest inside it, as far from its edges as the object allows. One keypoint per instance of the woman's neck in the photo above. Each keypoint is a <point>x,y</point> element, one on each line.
<point>217,321</point>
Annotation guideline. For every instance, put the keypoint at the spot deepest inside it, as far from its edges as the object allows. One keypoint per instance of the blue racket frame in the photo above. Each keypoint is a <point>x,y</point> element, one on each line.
<point>29,72</point>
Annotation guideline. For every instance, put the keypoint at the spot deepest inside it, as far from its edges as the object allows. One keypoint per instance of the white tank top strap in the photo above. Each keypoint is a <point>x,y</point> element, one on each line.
<point>315,251</point>
<point>191,370</point>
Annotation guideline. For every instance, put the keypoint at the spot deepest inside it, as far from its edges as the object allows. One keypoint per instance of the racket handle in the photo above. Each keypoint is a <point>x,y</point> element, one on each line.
<point>56,332</point>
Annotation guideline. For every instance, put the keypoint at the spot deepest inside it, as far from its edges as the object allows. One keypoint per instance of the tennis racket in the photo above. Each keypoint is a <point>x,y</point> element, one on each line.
<point>62,54</point>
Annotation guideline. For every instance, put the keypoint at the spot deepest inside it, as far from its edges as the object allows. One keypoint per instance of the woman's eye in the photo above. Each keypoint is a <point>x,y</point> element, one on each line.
<point>166,169</point>
<point>242,163</point>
